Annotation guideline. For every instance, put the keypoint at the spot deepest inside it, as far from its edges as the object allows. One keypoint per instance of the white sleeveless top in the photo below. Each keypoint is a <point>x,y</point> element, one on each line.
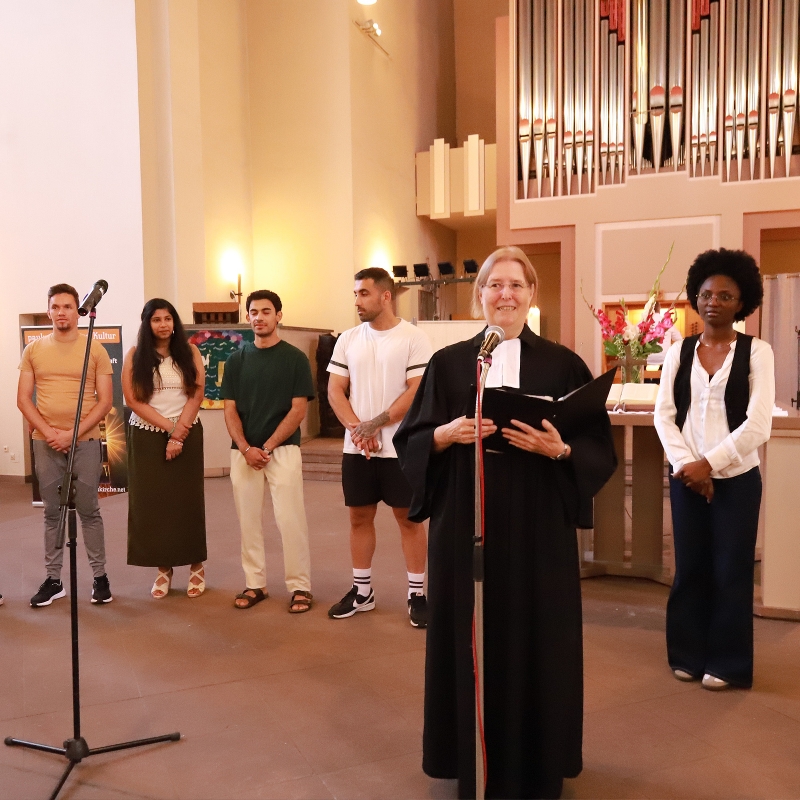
<point>169,396</point>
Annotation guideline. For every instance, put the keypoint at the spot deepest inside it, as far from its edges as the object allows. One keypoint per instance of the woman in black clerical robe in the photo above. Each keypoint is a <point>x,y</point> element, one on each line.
<point>536,496</point>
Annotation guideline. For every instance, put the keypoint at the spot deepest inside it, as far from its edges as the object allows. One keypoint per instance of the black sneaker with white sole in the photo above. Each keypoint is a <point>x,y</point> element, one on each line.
<point>50,590</point>
<point>101,590</point>
<point>351,603</point>
<point>418,610</point>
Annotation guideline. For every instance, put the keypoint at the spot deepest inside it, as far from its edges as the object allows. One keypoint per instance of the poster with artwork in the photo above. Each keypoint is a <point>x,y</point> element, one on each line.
<point>216,345</point>
<point>114,448</point>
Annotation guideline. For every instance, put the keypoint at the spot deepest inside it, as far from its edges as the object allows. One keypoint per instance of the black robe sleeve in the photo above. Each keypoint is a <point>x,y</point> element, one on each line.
<point>424,469</point>
<point>592,462</point>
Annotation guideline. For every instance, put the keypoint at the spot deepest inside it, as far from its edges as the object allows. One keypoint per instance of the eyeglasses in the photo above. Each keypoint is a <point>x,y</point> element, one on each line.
<point>516,287</point>
<point>721,297</point>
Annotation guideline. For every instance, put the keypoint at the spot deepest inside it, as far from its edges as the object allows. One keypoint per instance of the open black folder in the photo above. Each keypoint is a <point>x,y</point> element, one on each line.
<point>570,414</point>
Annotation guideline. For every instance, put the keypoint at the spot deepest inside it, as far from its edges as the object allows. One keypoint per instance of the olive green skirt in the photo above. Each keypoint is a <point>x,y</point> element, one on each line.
<point>166,506</point>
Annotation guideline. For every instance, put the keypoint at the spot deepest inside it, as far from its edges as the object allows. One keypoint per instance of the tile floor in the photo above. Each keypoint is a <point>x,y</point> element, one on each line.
<point>279,706</point>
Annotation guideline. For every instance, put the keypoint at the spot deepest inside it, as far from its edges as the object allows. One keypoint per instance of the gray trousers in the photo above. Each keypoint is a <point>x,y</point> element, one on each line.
<point>87,468</point>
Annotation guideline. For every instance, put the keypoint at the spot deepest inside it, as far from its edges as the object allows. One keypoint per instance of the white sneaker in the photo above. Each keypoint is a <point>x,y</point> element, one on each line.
<point>715,684</point>
<point>683,675</point>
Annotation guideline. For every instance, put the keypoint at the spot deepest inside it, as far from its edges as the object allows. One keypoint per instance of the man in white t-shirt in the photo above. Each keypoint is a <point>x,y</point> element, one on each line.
<point>375,370</point>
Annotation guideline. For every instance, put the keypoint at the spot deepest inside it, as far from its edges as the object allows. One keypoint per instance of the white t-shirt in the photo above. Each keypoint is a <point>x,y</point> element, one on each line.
<point>379,364</point>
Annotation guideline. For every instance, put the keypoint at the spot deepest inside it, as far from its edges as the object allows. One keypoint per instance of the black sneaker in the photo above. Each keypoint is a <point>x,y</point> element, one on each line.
<point>418,610</point>
<point>50,590</point>
<point>351,603</point>
<point>101,591</point>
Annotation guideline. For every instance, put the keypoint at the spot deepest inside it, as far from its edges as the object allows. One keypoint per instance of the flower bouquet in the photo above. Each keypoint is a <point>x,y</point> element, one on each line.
<point>629,343</point>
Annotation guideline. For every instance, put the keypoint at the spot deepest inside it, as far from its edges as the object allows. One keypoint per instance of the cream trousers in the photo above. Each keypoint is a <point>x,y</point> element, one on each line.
<point>284,474</point>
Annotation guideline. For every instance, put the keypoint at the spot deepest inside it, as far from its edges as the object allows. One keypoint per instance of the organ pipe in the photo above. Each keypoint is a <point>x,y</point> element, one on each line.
<point>580,89</point>
<point>753,81</point>
<point>588,116</point>
<point>774,80</point>
<point>741,81</point>
<point>605,98</point>
<point>677,26</point>
<point>524,41</point>
<point>538,90</point>
<point>791,74</point>
<point>569,91</point>
<point>729,110</point>
<point>563,121</point>
<point>551,88</point>
<point>640,76</point>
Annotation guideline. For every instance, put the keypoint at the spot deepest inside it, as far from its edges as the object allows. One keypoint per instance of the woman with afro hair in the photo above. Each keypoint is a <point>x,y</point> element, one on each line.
<point>714,410</point>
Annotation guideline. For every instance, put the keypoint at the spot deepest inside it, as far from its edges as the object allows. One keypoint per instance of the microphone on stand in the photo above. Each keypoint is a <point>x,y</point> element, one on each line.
<point>494,335</point>
<point>93,298</point>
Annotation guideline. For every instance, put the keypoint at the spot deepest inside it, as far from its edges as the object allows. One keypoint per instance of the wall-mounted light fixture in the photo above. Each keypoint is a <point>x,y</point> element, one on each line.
<point>470,266</point>
<point>446,268</point>
<point>400,271</point>
<point>372,31</point>
<point>370,27</point>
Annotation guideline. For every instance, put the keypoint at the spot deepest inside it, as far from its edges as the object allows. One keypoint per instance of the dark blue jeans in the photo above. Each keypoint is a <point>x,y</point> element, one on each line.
<point>710,607</point>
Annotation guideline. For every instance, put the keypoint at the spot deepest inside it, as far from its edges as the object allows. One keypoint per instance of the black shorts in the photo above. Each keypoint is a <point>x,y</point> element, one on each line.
<point>368,481</point>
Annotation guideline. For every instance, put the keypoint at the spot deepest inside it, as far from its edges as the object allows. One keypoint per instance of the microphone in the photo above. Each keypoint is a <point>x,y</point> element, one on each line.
<point>494,335</point>
<point>93,298</point>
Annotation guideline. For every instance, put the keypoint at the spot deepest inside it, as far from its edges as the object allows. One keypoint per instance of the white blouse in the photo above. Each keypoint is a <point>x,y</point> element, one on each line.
<point>705,432</point>
<point>169,396</point>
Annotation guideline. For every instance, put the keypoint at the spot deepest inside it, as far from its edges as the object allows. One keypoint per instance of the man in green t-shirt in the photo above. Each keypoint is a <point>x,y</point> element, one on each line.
<point>266,387</point>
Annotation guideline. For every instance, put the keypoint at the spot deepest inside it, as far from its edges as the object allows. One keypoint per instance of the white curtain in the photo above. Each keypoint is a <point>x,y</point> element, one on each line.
<point>780,315</point>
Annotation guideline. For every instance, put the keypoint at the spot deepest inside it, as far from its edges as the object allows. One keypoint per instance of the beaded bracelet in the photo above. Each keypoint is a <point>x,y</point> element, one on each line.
<point>176,441</point>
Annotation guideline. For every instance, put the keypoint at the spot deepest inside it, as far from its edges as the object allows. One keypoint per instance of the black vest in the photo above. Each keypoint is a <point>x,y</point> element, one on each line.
<point>737,390</point>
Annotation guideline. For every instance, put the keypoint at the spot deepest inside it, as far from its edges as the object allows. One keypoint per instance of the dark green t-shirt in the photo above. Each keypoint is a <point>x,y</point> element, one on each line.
<point>263,383</point>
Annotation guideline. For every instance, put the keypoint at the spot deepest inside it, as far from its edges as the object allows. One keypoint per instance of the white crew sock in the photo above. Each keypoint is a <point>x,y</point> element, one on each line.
<point>362,579</point>
<point>415,581</point>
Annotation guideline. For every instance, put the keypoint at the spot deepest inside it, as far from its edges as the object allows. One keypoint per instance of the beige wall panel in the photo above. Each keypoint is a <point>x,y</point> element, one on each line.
<point>475,70</point>
<point>629,255</point>
<point>172,152</point>
<point>226,144</point>
<point>302,181</point>
<point>70,195</point>
<point>400,104</point>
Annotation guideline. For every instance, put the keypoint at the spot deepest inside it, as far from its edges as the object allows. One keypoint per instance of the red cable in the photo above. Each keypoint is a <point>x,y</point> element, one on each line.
<point>479,445</point>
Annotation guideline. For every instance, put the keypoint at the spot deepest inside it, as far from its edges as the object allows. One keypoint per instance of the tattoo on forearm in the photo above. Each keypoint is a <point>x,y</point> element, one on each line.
<point>368,429</point>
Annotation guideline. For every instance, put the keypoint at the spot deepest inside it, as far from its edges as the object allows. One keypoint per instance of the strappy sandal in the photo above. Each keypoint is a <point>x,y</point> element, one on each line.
<point>302,599</point>
<point>162,584</point>
<point>196,589</point>
<point>257,596</point>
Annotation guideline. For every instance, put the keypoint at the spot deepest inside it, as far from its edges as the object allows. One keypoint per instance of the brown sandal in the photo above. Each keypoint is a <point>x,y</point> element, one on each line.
<point>257,596</point>
<point>302,599</point>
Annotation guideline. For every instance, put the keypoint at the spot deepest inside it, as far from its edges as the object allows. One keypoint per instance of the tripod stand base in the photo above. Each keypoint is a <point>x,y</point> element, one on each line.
<point>75,750</point>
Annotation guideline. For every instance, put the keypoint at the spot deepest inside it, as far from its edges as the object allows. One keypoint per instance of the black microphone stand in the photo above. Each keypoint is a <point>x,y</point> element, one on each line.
<point>76,749</point>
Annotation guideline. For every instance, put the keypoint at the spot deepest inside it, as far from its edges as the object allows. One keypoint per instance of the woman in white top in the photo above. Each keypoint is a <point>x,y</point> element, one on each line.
<point>163,380</point>
<point>714,410</point>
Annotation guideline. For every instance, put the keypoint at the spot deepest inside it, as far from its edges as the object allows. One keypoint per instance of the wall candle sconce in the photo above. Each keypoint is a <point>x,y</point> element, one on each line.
<point>372,31</point>
<point>237,295</point>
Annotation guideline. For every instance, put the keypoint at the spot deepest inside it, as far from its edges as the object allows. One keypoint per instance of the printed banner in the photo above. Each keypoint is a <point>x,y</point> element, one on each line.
<point>113,443</point>
<point>216,345</point>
